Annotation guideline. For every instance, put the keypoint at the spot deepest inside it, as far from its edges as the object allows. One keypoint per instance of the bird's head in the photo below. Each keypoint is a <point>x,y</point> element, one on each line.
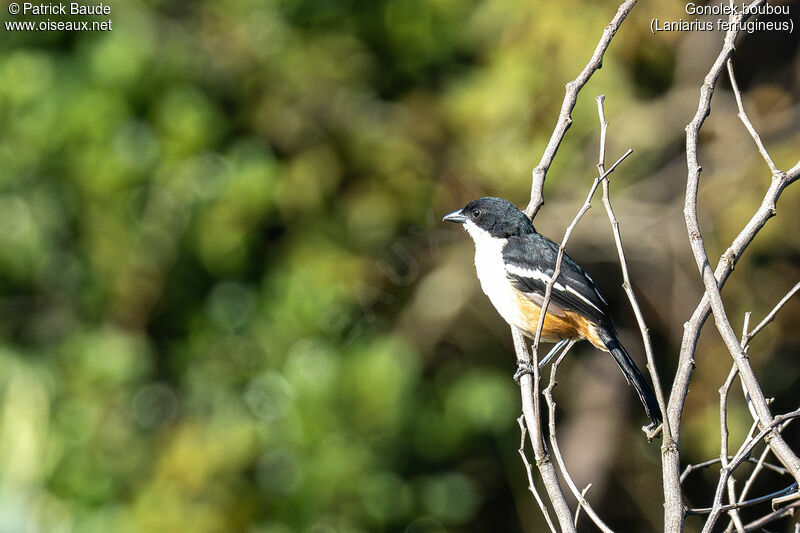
<point>496,216</point>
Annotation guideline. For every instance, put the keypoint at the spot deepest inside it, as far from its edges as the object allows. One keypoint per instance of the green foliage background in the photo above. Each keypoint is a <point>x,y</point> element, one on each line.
<point>226,301</point>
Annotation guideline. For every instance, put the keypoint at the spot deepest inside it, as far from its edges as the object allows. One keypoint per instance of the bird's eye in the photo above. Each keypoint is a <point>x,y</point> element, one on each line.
<point>476,213</point>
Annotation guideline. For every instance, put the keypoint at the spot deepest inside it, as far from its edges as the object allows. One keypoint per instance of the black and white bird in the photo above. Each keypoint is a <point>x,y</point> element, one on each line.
<point>514,265</point>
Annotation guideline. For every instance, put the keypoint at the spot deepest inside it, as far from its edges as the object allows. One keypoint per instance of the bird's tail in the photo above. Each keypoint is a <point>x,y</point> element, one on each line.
<point>632,374</point>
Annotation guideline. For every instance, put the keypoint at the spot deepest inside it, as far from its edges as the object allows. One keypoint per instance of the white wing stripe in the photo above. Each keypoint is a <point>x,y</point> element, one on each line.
<point>534,274</point>
<point>579,295</point>
<point>538,274</point>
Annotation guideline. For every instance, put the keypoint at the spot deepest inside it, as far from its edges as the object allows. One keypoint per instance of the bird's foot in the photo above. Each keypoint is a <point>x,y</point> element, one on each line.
<point>522,369</point>
<point>652,430</point>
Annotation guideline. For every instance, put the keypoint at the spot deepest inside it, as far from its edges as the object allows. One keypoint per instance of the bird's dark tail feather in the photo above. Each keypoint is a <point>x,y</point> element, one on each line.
<point>632,374</point>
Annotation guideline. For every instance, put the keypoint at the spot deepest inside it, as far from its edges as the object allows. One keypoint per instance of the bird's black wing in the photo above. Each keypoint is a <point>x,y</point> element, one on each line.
<point>530,263</point>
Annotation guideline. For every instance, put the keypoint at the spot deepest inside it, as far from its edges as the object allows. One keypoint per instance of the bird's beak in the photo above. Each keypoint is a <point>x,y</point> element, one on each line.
<point>455,216</point>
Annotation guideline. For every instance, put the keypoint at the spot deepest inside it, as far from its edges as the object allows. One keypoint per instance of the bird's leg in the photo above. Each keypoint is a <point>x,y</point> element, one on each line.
<point>553,351</point>
<point>527,368</point>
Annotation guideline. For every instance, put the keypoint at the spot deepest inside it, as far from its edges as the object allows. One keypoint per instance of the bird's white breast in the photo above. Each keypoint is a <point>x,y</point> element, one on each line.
<point>492,274</point>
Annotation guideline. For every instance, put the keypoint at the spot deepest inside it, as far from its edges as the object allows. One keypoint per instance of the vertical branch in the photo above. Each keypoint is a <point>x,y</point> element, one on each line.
<point>626,281</point>
<point>531,410</point>
<point>528,470</point>
<point>724,476</point>
<point>723,443</point>
<point>601,114</point>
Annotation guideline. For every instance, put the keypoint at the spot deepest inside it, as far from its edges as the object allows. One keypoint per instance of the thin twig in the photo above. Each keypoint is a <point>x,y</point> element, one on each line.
<point>771,315</point>
<point>792,496</point>
<point>705,464</point>
<point>754,474</point>
<point>755,501</point>
<point>723,454</point>
<point>601,156</point>
<point>748,446</point>
<point>626,281</point>
<point>775,515</point>
<point>551,404</point>
<point>749,125</point>
<point>761,463</point>
<point>582,211</point>
<point>529,472</point>
<point>583,496</point>
<point>735,519</point>
<point>725,472</point>
<point>570,98</point>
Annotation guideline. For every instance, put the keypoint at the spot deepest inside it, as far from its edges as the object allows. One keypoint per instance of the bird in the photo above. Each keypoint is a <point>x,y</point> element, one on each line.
<point>515,263</point>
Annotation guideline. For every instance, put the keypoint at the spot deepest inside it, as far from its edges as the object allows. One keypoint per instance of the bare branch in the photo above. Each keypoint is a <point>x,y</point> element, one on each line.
<point>531,409</point>
<point>780,448</point>
<point>570,98</point>
<point>769,431</point>
<point>530,383</point>
<point>551,404</point>
<point>712,300</point>
<point>582,211</point>
<point>723,456</point>
<point>626,281</point>
<point>583,496</point>
<point>693,327</point>
<point>705,464</point>
<point>601,156</point>
<point>755,501</point>
<point>771,315</point>
<point>749,125</point>
<point>745,340</point>
<point>528,471</point>
<point>748,446</point>
<point>775,515</point>
<point>761,464</point>
<point>740,456</point>
<point>726,473</point>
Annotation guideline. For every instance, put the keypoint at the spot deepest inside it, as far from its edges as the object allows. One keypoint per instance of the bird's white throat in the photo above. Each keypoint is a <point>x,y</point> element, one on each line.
<point>491,271</point>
